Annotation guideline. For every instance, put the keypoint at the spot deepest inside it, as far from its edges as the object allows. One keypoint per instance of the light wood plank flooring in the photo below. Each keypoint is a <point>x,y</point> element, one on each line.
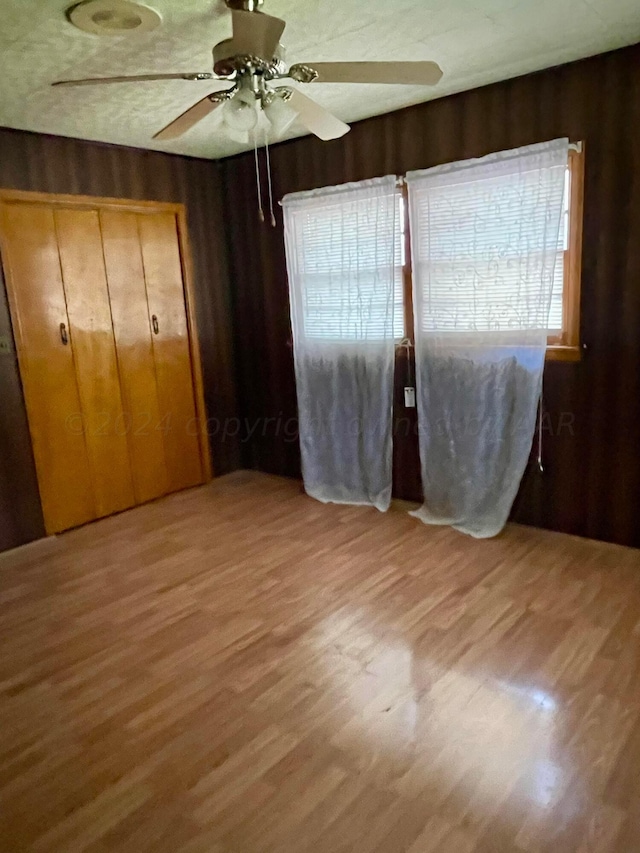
<point>239,669</point>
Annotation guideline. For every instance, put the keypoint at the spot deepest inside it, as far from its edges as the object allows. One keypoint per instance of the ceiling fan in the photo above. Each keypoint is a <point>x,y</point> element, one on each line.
<point>252,59</point>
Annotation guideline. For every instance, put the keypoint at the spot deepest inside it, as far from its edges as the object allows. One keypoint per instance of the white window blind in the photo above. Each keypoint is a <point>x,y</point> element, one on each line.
<point>342,244</point>
<point>480,235</point>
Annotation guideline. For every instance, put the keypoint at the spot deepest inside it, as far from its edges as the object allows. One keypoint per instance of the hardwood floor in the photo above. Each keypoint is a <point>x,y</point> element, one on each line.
<point>239,669</point>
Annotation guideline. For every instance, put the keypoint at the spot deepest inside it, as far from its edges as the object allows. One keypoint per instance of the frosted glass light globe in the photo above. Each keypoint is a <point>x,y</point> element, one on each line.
<point>240,112</point>
<point>280,114</point>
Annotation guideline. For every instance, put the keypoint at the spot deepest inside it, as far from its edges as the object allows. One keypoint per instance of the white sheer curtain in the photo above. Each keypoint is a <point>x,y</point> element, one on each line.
<point>345,279</point>
<point>486,239</point>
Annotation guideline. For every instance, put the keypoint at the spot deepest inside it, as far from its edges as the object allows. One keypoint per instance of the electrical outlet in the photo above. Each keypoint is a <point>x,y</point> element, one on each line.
<point>5,345</point>
<point>409,397</point>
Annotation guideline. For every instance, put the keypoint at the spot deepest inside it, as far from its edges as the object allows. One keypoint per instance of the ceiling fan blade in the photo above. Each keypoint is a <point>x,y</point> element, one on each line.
<point>256,34</point>
<point>139,78</point>
<point>189,118</point>
<point>410,73</point>
<point>315,118</point>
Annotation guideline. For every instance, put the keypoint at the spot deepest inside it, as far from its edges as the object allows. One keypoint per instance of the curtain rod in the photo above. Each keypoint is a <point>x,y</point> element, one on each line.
<point>400,179</point>
<point>573,146</point>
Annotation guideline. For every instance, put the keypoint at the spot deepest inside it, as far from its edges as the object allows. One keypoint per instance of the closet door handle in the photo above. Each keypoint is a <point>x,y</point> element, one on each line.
<point>154,323</point>
<point>64,337</point>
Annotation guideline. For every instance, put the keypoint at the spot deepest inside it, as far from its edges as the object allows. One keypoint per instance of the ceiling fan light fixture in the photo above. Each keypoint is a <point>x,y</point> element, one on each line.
<point>240,113</point>
<point>280,114</point>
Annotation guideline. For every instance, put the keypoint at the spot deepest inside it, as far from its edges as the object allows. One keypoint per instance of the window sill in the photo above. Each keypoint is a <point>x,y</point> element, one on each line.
<point>556,352</point>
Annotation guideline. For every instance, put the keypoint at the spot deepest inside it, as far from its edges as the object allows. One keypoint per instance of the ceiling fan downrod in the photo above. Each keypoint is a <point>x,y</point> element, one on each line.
<point>245,5</point>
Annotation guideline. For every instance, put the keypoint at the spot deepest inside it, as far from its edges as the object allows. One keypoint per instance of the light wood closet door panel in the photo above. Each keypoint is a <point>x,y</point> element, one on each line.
<point>85,286</point>
<point>131,325</point>
<point>165,296</point>
<point>32,264</point>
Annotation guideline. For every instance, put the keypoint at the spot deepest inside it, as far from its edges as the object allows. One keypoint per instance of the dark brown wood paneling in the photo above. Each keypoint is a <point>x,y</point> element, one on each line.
<point>591,484</point>
<point>20,511</point>
<point>57,165</point>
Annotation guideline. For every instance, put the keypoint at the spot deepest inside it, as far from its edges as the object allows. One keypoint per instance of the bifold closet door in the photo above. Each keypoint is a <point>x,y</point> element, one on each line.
<point>171,352</point>
<point>45,352</point>
<point>98,302</point>
<point>132,329</point>
<point>88,309</point>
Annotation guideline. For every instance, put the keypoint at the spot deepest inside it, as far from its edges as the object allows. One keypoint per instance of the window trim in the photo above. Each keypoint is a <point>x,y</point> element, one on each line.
<point>566,345</point>
<point>407,270</point>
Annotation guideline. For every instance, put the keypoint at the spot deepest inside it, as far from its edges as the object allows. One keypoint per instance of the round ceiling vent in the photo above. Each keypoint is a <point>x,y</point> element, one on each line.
<point>113,17</point>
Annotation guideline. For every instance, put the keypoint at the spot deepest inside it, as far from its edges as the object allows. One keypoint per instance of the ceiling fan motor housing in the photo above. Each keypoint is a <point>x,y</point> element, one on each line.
<point>227,61</point>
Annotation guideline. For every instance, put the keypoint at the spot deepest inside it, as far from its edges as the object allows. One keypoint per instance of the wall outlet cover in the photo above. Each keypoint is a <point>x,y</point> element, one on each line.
<point>409,397</point>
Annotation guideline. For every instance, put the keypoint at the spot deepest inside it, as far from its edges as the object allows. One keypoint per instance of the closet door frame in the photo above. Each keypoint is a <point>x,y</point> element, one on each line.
<point>82,202</point>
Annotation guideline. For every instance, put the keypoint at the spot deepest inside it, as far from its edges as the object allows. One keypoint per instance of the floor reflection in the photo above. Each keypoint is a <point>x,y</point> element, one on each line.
<point>423,728</point>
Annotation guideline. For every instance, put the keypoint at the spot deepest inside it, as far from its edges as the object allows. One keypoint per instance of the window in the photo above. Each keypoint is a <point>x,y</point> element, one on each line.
<point>344,261</point>
<point>343,264</point>
<point>564,317</point>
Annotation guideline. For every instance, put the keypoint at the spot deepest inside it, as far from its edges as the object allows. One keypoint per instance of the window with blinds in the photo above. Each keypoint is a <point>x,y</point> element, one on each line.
<point>480,238</point>
<point>347,244</point>
<point>343,245</point>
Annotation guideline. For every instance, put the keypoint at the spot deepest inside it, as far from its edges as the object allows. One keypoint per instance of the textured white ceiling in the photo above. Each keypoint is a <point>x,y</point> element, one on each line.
<point>475,41</point>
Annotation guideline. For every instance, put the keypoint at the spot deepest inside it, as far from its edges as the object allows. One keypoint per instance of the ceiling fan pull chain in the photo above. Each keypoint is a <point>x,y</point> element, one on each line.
<point>540,415</point>
<point>266,145</point>
<point>255,154</point>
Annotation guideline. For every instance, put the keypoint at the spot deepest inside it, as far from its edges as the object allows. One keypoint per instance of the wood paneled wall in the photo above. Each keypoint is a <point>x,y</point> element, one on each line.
<point>57,165</point>
<point>591,483</point>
